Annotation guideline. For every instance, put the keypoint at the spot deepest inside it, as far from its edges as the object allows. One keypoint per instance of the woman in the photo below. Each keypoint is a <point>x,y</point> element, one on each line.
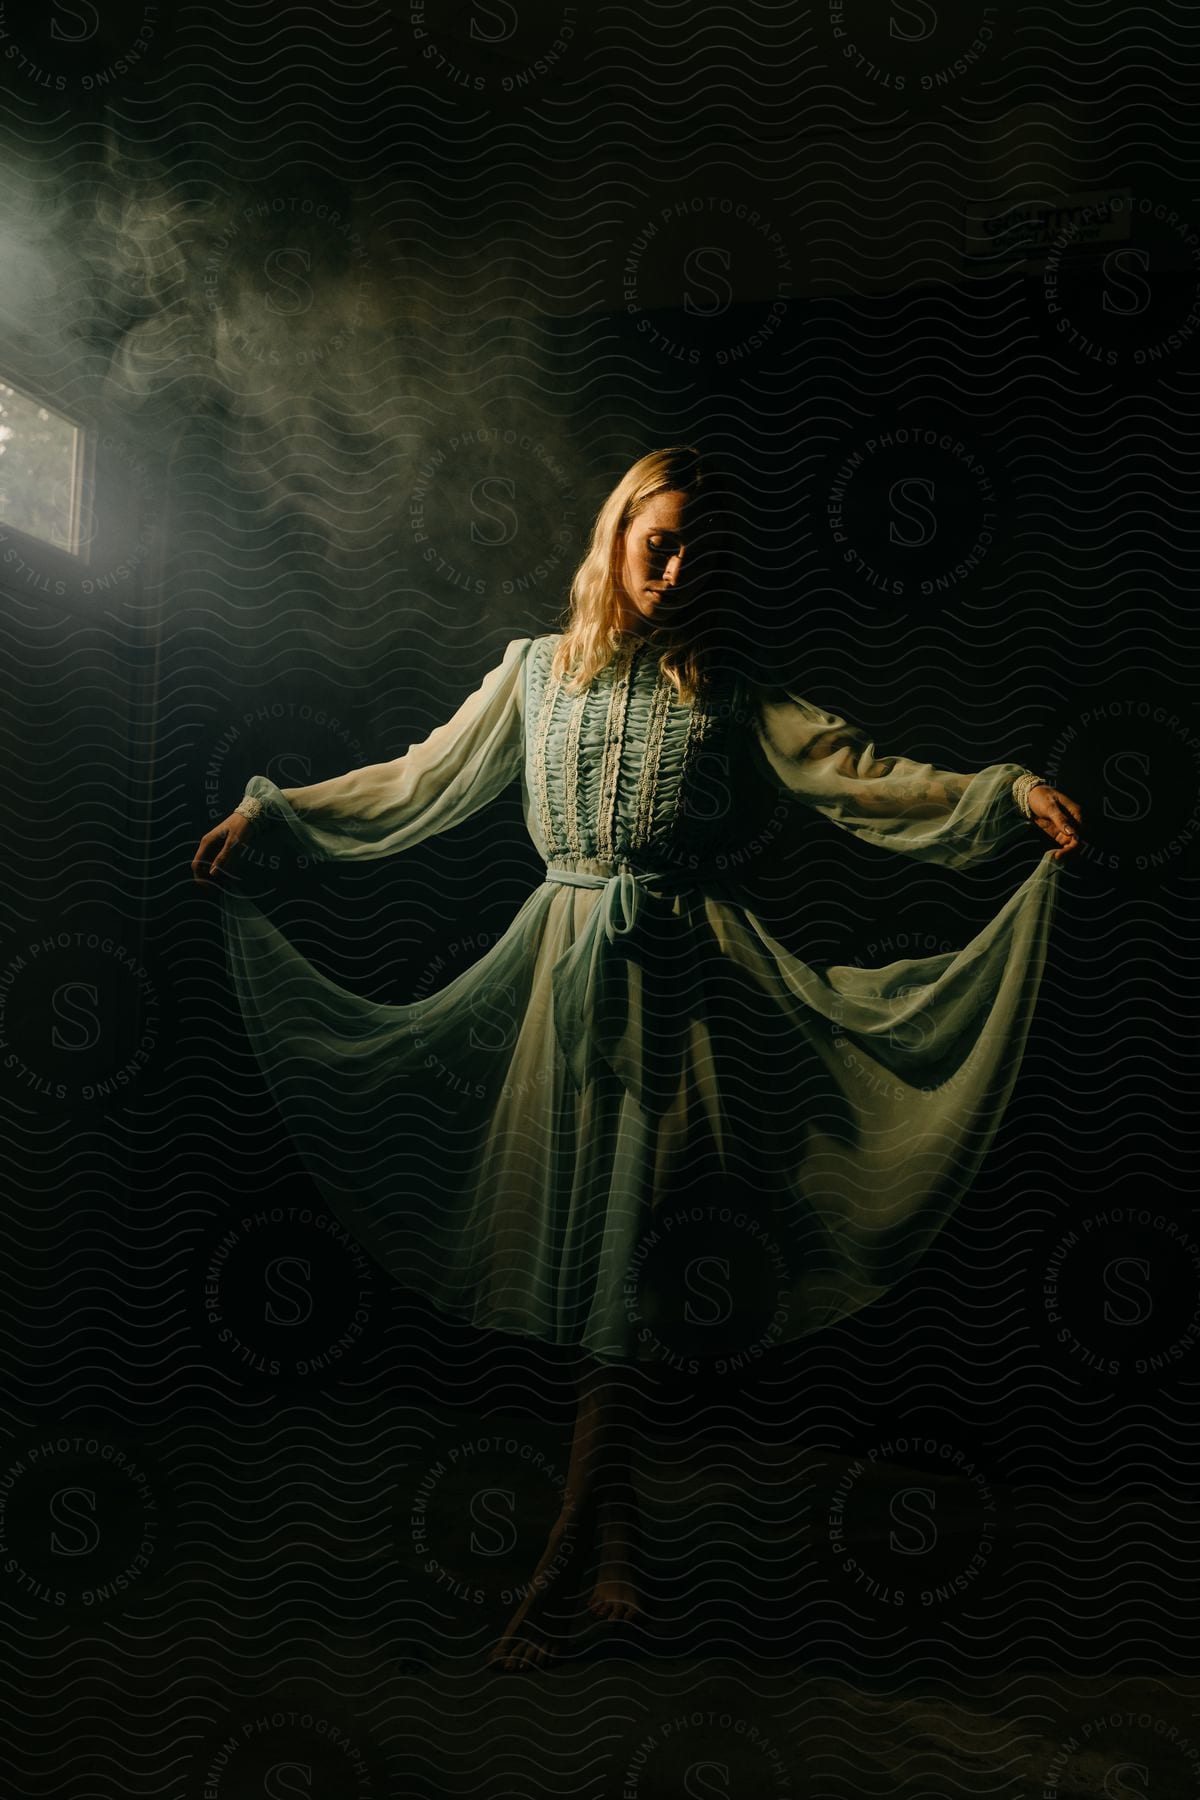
<point>638,1039</point>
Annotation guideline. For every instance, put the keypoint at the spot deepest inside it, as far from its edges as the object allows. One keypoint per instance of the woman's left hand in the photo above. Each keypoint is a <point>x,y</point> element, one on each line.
<point>1058,816</point>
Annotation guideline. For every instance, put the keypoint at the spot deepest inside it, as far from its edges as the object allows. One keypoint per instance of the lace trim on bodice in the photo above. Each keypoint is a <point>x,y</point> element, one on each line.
<point>571,775</point>
<point>647,794</point>
<point>614,738</point>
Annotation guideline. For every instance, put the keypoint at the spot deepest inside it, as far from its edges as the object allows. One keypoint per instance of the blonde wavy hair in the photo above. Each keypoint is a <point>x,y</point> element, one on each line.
<point>591,630</point>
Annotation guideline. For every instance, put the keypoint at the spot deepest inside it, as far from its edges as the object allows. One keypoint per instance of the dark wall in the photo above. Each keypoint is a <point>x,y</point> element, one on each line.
<point>368,314</point>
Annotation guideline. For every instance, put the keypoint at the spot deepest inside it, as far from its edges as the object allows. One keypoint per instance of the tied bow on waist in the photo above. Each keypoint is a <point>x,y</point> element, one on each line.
<point>612,990</point>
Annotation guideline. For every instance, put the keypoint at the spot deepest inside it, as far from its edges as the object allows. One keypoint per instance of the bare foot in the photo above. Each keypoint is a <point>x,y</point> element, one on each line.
<point>615,1597</point>
<point>535,1634</point>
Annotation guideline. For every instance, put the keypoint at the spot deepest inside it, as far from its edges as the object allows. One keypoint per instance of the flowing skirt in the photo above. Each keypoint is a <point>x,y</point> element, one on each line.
<point>796,1138</point>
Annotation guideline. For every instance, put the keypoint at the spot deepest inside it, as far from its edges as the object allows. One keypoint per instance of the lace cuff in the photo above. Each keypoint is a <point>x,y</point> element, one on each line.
<point>1023,786</point>
<point>249,807</point>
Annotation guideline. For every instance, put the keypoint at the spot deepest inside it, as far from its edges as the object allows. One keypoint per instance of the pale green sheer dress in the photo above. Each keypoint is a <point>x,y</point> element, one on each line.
<point>638,1047</point>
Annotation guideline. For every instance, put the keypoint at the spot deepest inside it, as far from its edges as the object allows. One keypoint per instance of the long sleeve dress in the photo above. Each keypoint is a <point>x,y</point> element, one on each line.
<point>638,1123</point>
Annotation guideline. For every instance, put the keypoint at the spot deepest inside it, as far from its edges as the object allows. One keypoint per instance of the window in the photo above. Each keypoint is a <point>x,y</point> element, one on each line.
<point>40,467</point>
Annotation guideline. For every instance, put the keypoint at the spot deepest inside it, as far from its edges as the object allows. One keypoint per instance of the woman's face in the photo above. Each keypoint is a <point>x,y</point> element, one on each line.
<point>652,557</point>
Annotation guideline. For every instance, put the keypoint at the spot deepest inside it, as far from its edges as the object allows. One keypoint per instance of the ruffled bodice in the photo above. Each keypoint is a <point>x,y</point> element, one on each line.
<point>626,771</point>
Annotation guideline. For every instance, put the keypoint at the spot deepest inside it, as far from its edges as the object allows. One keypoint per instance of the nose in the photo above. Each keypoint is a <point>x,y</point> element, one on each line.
<point>670,574</point>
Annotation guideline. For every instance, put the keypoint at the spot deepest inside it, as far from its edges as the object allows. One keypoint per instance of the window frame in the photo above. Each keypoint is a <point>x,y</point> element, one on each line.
<point>41,555</point>
<point>110,573</point>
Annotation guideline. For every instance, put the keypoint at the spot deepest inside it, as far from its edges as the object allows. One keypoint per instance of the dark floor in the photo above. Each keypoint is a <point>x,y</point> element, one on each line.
<point>896,1621</point>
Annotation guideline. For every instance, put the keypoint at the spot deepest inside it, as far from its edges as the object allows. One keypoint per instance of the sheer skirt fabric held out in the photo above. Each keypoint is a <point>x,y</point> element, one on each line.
<point>638,1106</point>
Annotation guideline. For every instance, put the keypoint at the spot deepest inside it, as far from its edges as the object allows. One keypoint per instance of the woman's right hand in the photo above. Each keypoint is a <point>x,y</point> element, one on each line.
<point>217,846</point>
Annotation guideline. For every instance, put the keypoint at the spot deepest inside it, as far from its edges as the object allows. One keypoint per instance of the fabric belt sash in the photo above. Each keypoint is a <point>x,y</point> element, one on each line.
<point>594,999</point>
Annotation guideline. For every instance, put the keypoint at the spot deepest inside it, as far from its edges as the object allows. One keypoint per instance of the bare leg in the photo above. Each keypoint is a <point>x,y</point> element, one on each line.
<point>599,1510</point>
<point>614,1597</point>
